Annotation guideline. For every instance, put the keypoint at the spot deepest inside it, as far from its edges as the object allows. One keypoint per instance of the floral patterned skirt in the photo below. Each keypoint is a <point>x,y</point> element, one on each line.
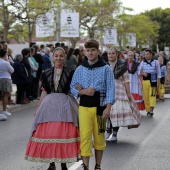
<point>54,142</point>
<point>5,85</point>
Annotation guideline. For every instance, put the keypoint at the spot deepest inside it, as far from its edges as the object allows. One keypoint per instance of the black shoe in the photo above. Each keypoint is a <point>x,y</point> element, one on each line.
<point>151,113</point>
<point>162,100</point>
<point>97,167</point>
<point>63,166</point>
<point>148,113</point>
<point>85,167</point>
<point>52,167</point>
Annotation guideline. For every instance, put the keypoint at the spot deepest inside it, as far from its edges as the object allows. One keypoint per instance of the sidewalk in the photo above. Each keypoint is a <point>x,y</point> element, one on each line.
<point>14,107</point>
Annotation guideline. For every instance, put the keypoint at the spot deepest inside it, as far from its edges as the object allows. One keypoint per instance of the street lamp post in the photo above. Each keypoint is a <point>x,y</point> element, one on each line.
<point>58,24</point>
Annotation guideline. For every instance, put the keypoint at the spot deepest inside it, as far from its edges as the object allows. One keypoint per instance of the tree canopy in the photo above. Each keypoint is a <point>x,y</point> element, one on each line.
<point>94,14</point>
<point>151,27</point>
<point>162,16</point>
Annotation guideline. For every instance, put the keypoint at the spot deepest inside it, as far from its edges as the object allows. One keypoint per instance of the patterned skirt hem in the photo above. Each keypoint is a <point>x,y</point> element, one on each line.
<point>125,114</point>
<point>55,141</point>
<point>123,124</point>
<point>50,160</point>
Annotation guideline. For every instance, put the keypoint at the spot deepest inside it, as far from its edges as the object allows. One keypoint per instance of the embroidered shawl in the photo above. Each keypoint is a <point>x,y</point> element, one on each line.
<point>119,69</point>
<point>64,82</point>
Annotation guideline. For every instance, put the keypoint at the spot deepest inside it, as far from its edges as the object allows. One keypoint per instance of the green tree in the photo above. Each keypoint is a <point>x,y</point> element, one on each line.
<point>8,18</point>
<point>121,26</point>
<point>27,11</point>
<point>94,15</point>
<point>24,12</point>
<point>163,18</point>
<point>19,32</point>
<point>145,29</point>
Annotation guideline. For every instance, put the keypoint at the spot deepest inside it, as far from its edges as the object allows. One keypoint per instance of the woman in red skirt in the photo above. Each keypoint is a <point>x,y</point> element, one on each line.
<point>55,134</point>
<point>135,82</point>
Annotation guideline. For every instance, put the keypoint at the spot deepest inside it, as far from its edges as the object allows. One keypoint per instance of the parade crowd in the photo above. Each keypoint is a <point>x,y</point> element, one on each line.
<point>82,92</point>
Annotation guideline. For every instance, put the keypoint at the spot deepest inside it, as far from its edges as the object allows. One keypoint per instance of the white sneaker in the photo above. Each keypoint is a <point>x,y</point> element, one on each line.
<point>6,113</point>
<point>3,117</point>
<point>107,135</point>
<point>113,138</point>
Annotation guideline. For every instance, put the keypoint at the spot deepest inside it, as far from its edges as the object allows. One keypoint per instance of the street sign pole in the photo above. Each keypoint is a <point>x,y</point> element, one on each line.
<point>58,25</point>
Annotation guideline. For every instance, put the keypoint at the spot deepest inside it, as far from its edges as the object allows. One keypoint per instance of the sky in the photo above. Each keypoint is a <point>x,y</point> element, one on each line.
<point>143,5</point>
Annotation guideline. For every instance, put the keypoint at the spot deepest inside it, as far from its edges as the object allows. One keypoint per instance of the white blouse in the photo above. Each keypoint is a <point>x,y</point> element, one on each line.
<point>5,69</point>
<point>57,75</point>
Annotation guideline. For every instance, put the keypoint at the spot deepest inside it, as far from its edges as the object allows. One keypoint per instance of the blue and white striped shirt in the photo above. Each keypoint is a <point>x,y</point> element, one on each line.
<point>163,71</point>
<point>153,67</point>
<point>100,78</point>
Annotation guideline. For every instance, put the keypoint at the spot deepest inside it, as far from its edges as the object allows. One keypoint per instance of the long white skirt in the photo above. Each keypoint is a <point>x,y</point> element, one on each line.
<point>125,114</point>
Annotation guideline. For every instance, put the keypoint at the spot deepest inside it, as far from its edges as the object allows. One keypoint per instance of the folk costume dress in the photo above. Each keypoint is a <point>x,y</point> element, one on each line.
<point>124,113</point>
<point>149,83</point>
<point>55,134</point>
<point>99,76</point>
<point>168,72</point>
<point>161,89</point>
<point>135,84</point>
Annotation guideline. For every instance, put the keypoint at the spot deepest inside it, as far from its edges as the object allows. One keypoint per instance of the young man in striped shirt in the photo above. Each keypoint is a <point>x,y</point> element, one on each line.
<point>150,70</point>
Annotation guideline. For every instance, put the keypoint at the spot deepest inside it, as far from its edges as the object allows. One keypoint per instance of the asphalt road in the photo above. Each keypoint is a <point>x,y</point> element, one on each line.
<point>144,148</point>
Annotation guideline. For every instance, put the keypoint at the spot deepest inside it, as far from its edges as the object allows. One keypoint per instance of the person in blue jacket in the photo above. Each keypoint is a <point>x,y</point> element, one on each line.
<point>47,60</point>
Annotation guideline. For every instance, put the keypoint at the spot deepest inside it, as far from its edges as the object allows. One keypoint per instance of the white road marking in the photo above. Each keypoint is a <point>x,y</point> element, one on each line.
<point>76,165</point>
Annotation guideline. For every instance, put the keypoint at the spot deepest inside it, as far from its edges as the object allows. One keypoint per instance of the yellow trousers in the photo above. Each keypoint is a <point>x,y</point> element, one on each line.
<point>149,94</point>
<point>89,127</point>
<point>161,91</point>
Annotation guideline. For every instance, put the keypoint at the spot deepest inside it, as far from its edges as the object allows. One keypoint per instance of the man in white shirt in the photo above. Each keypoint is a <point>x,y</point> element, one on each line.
<point>150,70</point>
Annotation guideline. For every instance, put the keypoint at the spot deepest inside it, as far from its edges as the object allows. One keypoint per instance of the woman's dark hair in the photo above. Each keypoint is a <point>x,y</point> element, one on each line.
<point>2,42</point>
<point>36,47</point>
<point>32,49</point>
<point>76,52</point>
<point>25,51</point>
<point>62,45</point>
<point>31,44</point>
<point>57,44</point>
<point>104,56</point>
<point>80,58</point>
<point>2,53</point>
<point>70,53</point>
<point>42,46</point>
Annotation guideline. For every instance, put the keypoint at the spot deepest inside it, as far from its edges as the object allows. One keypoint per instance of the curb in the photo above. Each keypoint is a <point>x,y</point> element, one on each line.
<point>167,96</point>
<point>16,107</point>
